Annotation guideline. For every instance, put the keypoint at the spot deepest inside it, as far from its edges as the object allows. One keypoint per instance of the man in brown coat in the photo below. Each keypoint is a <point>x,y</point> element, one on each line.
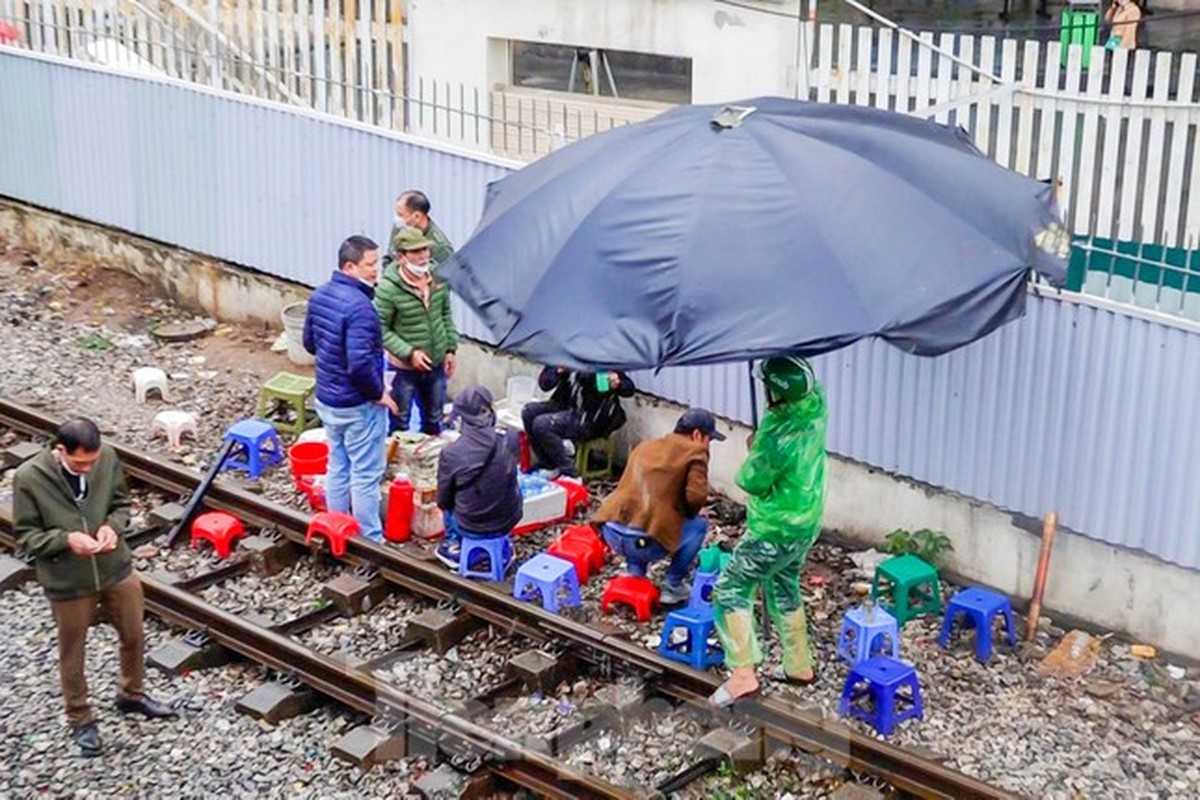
<point>655,510</point>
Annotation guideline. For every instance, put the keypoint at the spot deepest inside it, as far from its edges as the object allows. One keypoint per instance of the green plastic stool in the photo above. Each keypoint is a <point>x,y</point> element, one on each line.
<point>293,390</point>
<point>912,585</point>
<point>606,446</point>
<point>713,559</point>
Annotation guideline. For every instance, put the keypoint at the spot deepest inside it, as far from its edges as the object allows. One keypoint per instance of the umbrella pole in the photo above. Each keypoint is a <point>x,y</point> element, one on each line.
<point>753,396</point>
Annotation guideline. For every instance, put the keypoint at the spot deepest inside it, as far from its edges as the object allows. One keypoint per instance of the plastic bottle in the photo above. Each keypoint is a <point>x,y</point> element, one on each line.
<point>399,510</point>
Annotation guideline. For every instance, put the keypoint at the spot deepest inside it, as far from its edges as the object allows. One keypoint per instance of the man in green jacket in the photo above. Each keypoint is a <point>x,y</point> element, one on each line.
<point>784,476</point>
<point>71,512</point>
<point>418,331</point>
<point>412,211</point>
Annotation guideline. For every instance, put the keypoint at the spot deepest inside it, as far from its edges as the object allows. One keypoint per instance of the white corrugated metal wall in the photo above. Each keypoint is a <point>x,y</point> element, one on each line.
<point>1080,406</point>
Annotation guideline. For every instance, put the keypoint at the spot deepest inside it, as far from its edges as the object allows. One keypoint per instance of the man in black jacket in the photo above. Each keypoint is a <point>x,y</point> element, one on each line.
<point>477,476</point>
<point>71,513</point>
<point>582,406</point>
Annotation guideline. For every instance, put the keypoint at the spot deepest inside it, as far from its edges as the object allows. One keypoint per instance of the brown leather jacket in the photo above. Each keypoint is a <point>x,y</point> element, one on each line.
<point>665,482</point>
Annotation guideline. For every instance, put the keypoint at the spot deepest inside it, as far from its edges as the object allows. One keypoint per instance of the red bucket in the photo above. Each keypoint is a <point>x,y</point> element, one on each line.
<point>308,458</point>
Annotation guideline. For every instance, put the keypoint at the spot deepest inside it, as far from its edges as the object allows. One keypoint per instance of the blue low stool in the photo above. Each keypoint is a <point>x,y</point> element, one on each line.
<point>979,608</point>
<point>498,550</point>
<point>702,589</point>
<point>695,650</point>
<point>256,447</point>
<point>549,575</point>
<point>892,688</point>
<point>867,632</point>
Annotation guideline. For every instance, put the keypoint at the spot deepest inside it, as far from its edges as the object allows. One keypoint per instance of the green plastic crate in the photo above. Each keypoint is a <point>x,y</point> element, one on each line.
<point>1081,28</point>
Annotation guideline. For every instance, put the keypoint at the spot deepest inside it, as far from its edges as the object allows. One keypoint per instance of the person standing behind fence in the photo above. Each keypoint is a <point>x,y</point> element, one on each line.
<point>1125,17</point>
<point>412,211</point>
<point>71,513</point>
<point>343,332</point>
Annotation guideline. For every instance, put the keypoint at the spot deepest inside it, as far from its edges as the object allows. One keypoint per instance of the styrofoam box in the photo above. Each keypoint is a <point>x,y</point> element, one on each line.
<point>545,502</point>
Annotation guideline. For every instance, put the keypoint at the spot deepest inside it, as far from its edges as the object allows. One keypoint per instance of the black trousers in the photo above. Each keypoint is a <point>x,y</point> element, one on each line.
<point>548,426</point>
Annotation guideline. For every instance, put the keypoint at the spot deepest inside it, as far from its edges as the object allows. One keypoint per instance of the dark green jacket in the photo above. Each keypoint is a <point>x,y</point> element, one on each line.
<point>442,249</point>
<point>408,325</point>
<point>44,512</point>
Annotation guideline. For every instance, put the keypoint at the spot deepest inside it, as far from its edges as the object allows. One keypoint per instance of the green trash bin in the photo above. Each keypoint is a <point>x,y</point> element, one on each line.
<point>1079,26</point>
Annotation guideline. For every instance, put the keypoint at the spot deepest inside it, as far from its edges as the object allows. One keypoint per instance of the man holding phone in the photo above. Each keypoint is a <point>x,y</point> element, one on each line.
<point>71,511</point>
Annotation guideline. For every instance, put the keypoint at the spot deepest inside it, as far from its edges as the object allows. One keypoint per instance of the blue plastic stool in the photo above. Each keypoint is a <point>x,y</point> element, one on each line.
<point>499,552</point>
<point>979,607</point>
<point>883,680</point>
<point>865,634</point>
<point>549,575</point>
<point>695,650</point>
<point>256,447</point>
<point>702,589</point>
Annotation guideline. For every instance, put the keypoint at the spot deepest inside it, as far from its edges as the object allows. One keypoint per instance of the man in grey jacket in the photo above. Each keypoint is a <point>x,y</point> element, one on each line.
<point>477,476</point>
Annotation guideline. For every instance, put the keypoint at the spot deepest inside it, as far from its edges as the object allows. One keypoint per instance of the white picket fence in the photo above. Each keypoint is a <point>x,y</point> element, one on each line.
<point>1120,135</point>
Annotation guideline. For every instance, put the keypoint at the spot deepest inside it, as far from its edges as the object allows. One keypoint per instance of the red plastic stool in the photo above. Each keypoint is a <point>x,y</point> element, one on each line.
<point>640,593</point>
<point>577,552</point>
<point>586,535</point>
<point>219,528</point>
<point>578,496</point>
<point>334,526</point>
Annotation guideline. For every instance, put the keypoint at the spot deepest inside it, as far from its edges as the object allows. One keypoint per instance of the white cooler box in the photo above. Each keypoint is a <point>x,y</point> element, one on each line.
<point>545,502</point>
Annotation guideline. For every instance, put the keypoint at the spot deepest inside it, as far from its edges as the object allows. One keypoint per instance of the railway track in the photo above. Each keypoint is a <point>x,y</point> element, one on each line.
<point>754,727</point>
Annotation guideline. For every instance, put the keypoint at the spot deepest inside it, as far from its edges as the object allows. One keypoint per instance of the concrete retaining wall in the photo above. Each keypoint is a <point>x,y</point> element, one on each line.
<point>199,283</point>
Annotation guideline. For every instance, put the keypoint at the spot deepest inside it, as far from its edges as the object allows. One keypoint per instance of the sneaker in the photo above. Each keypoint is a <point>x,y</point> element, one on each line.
<point>674,594</point>
<point>449,553</point>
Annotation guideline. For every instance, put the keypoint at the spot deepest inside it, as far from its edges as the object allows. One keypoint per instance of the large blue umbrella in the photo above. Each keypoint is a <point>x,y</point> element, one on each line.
<point>712,234</point>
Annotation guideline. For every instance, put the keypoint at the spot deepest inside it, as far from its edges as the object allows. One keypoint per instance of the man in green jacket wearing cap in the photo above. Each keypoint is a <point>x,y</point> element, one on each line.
<point>418,331</point>
<point>71,512</point>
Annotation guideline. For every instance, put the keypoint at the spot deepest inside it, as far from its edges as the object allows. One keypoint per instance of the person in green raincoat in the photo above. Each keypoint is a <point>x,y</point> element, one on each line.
<point>784,476</point>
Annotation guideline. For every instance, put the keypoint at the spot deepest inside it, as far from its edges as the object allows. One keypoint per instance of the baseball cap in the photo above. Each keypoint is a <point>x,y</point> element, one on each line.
<point>410,239</point>
<point>699,419</point>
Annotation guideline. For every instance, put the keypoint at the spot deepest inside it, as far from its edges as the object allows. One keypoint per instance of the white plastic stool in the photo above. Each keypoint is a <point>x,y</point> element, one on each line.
<point>312,435</point>
<point>175,424</point>
<point>147,378</point>
<point>519,389</point>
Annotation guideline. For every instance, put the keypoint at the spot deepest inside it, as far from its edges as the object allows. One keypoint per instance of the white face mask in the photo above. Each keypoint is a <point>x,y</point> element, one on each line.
<point>420,271</point>
<point>401,221</point>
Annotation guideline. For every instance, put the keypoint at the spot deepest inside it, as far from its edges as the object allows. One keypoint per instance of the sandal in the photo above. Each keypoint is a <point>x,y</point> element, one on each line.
<point>780,676</point>
<point>722,698</point>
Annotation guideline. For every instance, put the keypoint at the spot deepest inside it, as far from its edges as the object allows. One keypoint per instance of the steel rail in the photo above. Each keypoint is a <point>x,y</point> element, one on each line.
<point>800,728</point>
<point>359,689</point>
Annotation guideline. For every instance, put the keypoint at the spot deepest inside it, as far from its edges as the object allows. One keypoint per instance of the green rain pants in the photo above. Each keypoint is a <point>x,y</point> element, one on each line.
<point>776,568</point>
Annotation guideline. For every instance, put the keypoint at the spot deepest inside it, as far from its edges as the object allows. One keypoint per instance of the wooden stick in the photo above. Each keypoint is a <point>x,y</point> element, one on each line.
<point>1039,582</point>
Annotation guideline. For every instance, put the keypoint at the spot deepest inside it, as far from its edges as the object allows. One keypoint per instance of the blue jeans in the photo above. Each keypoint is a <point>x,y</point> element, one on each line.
<point>357,460</point>
<point>429,388</point>
<point>624,541</point>
<point>454,533</point>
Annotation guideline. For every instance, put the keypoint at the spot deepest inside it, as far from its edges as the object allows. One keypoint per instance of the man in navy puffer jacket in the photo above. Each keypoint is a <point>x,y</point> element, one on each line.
<point>342,331</point>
